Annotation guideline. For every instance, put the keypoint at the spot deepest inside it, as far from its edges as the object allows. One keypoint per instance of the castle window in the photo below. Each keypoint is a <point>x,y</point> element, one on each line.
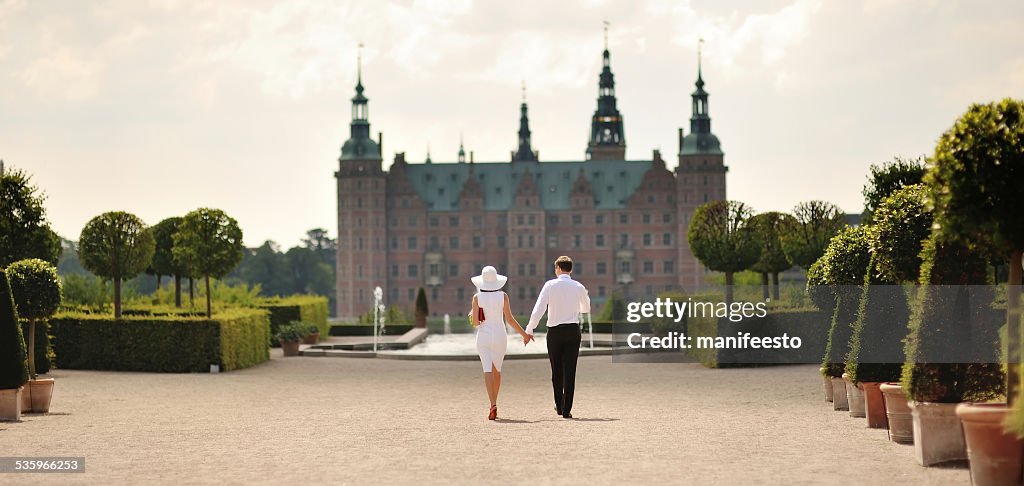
<point>668,199</point>
<point>533,269</point>
<point>666,239</point>
<point>519,241</point>
<point>434,221</point>
<point>429,177</point>
<point>477,242</point>
<point>599,241</point>
<point>705,197</point>
<point>533,241</point>
<point>359,202</point>
<point>624,267</point>
<point>413,271</point>
<point>359,271</point>
<point>552,189</point>
<point>394,242</point>
<point>394,271</point>
<point>460,293</point>
<point>453,221</point>
<point>411,293</point>
<point>522,293</point>
<point>623,219</point>
<point>668,266</point>
<point>501,241</point>
<point>610,188</point>
<point>649,290</point>
<point>454,178</point>
<point>648,267</point>
<point>601,291</point>
<point>599,219</point>
<point>433,293</point>
<point>553,219</point>
<point>453,269</point>
<point>522,269</point>
<point>666,218</point>
<point>705,180</point>
<point>440,191</point>
<point>576,241</point>
<point>453,243</point>
<point>647,239</point>
<point>434,269</point>
<point>412,243</point>
<point>647,218</point>
<point>394,293</point>
<point>577,219</point>
<point>405,202</point>
<point>650,199</point>
<point>433,243</point>
<point>602,268</point>
<point>623,240</point>
<point>412,220</point>
<point>552,241</point>
<point>478,221</point>
<point>533,219</point>
<point>360,243</point>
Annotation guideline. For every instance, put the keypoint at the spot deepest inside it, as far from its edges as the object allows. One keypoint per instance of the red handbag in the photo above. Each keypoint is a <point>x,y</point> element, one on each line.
<point>480,314</point>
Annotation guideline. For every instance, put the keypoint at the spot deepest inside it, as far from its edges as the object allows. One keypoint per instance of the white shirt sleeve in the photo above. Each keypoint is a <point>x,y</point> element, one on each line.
<point>538,309</point>
<point>584,300</point>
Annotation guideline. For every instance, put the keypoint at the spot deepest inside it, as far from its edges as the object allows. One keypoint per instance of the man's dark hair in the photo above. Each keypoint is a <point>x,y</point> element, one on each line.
<point>564,263</point>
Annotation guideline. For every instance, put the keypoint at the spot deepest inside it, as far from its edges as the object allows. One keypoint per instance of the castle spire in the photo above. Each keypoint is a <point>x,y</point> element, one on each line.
<point>525,151</point>
<point>462,150</point>
<point>359,145</point>
<point>700,140</point>
<point>607,137</point>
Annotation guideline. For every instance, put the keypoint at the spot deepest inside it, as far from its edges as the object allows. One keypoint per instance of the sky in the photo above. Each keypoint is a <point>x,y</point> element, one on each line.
<point>158,107</point>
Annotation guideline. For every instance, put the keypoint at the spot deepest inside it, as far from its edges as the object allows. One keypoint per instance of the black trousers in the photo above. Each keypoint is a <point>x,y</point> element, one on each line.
<point>563,351</point>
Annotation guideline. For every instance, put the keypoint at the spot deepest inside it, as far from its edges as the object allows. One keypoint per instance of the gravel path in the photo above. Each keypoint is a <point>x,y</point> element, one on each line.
<point>357,421</point>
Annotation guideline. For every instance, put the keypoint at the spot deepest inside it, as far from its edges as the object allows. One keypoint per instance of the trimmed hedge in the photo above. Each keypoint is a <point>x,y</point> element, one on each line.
<point>235,339</point>
<point>44,351</point>
<point>810,325</point>
<point>306,308</point>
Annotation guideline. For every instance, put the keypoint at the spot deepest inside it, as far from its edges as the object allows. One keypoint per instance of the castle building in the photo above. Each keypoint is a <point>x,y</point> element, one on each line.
<point>434,225</point>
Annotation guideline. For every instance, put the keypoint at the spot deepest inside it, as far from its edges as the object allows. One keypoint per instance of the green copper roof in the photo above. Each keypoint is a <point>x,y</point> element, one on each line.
<point>701,143</point>
<point>612,181</point>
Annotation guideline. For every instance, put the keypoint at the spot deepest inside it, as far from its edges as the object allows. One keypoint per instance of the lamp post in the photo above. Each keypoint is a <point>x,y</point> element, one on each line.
<point>378,295</point>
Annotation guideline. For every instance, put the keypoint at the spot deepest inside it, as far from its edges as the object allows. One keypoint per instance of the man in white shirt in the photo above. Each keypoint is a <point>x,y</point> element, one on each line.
<point>564,299</point>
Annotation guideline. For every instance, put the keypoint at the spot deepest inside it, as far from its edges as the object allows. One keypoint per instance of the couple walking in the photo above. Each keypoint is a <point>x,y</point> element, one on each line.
<point>563,298</point>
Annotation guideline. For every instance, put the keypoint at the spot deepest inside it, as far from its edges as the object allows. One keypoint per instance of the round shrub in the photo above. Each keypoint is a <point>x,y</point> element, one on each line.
<point>36,288</point>
<point>844,266</point>
<point>902,224</point>
<point>13,365</point>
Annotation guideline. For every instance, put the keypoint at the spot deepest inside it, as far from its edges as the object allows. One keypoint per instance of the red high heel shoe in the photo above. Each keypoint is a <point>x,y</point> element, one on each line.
<point>494,413</point>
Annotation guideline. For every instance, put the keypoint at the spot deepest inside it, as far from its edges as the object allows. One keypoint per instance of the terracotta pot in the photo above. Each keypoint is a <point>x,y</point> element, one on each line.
<point>36,396</point>
<point>994,454</point>
<point>312,338</point>
<point>854,397</point>
<point>874,405</point>
<point>290,348</point>
<point>839,394</point>
<point>897,411</point>
<point>828,385</point>
<point>10,404</point>
<point>938,435</point>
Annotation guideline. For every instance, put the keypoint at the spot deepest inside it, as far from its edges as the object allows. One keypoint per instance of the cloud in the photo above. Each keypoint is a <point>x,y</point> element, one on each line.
<point>63,74</point>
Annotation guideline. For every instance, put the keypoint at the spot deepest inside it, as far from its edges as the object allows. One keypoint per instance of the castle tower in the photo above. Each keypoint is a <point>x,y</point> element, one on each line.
<point>700,177</point>
<point>362,237</point>
<point>525,152</point>
<point>607,138</point>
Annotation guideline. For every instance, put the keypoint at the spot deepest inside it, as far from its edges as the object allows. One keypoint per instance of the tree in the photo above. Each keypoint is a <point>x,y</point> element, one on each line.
<point>209,244</point>
<point>163,258</point>
<point>118,246</point>
<point>773,260</point>
<point>24,230</point>
<point>267,267</point>
<point>36,289</point>
<point>807,235</point>
<point>13,365</point>
<point>843,268</point>
<point>422,310</point>
<point>975,186</point>
<point>309,273</point>
<point>722,238</point>
<point>887,179</point>
<point>902,224</point>
<point>317,240</point>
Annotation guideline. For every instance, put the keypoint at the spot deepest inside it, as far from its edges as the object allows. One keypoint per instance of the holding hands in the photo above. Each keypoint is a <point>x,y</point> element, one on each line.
<point>526,338</point>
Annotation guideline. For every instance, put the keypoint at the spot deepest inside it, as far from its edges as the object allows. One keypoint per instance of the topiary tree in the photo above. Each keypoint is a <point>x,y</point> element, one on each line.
<point>36,289</point>
<point>13,365</point>
<point>163,258</point>
<point>975,185</point>
<point>807,235</point>
<point>722,238</point>
<point>952,348</point>
<point>24,230</point>
<point>422,309</point>
<point>117,246</point>
<point>902,223</point>
<point>844,265</point>
<point>818,290</point>
<point>208,243</point>
<point>888,178</point>
<point>773,260</point>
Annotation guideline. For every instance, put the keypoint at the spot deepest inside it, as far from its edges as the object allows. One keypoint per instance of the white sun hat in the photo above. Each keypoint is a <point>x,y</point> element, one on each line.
<point>489,279</point>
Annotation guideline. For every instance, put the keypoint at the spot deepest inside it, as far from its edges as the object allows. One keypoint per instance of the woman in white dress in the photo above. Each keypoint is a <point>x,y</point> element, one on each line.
<point>491,338</point>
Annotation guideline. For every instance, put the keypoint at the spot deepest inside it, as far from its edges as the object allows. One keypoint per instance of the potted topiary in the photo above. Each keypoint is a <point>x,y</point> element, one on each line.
<point>422,309</point>
<point>13,365</point>
<point>823,298</point>
<point>975,183</point>
<point>290,335</point>
<point>312,333</point>
<point>952,349</point>
<point>901,224</point>
<point>844,265</point>
<point>36,289</point>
